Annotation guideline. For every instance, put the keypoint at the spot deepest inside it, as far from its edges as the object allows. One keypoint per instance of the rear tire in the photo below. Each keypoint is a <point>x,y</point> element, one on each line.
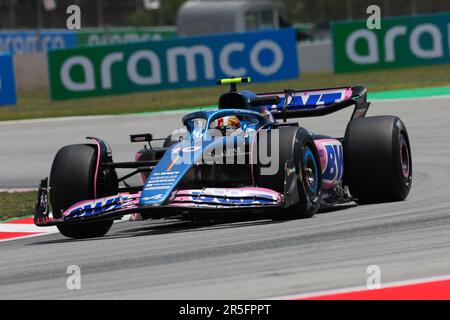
<point>296,144</point>
<point>378,162</point>
<point>72,180</point>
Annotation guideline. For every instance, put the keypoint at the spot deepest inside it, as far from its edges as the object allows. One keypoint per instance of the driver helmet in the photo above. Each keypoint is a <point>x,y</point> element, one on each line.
<point>229,125</point>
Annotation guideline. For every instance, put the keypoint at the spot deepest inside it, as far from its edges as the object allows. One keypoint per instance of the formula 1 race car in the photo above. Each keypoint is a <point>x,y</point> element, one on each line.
<point>232,160</point>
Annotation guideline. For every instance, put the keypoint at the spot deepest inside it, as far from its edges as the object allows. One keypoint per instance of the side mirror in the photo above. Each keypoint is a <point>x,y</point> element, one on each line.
<point>143,137</point>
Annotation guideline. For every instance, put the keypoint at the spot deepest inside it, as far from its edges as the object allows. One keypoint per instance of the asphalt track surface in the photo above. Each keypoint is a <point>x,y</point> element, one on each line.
<point>241,259</point>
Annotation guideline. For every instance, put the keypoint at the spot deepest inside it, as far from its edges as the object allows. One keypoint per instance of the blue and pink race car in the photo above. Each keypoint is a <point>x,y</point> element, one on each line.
<point>245,157</point>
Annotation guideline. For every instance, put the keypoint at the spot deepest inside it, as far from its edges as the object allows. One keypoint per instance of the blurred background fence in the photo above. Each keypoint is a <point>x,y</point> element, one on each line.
<point>28,27</point>
<point>19,14</point>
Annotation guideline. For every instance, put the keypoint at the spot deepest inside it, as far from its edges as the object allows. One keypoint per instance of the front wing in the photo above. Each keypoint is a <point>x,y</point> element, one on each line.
<point>215,200</point>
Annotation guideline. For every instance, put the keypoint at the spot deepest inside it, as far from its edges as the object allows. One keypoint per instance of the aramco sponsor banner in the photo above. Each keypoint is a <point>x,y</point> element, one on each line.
<point>401,42</point>
<point>95,36</point>
<point>7,82</point>
<point>169,64</point>
<point>30,41</point>
<point>19,42</point>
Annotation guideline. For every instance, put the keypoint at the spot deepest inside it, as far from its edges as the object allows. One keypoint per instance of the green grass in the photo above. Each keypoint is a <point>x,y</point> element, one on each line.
<point>18,204</point>
<point>37,104</point>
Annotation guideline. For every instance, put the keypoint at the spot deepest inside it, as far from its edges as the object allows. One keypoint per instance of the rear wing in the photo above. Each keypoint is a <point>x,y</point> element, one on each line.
<point>320,102</point>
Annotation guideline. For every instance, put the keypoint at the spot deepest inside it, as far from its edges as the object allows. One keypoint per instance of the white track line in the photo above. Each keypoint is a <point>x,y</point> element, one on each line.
<point>26,237</point>
<point>409,99</point>
<point>40,231</point>
<point>21,227</point>
<point>360,289</point>
<point>18,190</point>
<point>98,117</point>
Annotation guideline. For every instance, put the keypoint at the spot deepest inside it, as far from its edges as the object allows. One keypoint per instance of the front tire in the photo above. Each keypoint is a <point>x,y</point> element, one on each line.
<point>72,180</point>
<point>297,145</point>
<point>309,184</point>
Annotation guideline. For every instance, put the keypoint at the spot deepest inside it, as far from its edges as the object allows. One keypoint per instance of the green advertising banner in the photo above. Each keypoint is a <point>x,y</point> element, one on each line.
<point>169,64</point>
<point>401,42</point>
<point>97,36</point>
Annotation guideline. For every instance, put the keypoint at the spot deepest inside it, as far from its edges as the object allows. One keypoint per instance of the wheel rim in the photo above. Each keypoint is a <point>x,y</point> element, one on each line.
<point>310,168</point>
<point>405,159</point>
